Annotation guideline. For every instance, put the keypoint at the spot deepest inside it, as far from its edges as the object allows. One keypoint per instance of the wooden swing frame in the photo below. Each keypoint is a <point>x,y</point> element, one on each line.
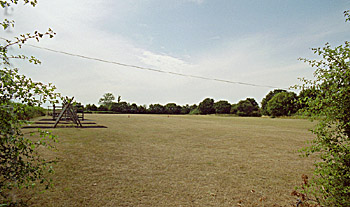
<point>69,112</point>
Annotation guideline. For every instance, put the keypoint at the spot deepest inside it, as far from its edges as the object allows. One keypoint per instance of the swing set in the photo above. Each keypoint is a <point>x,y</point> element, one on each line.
<point>68,112</point>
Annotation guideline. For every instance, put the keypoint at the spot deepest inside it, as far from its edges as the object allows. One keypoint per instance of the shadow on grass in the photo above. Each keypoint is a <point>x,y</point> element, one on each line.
<point>49,123</point>
<point>64,126</point>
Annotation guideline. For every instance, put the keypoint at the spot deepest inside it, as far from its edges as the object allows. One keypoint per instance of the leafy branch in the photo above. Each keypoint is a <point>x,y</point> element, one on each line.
<point>331,107</point>
<point>21,165</point>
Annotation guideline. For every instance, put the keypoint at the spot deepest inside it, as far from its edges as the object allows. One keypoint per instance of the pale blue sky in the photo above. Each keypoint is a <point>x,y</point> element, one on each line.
<point>255,42</point>
<point>188,27</point>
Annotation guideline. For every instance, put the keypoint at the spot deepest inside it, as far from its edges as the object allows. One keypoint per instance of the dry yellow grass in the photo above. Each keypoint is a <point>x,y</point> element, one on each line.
<point>156,160</point>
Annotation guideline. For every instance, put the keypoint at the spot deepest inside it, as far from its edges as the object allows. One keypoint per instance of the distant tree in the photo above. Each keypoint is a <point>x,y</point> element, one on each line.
<point>283,104</point>
<point>102,108</point>
<point>194,109</point>
<point>206,106</point>
<point>194,106</point>
<point>234,109</point>
<point>222,107</point>
<point>133,109</point>
<point>267,98</point>
<point>142,109</point>
<point>93,107</point>
<point>125,107</point>
<point>107,100</point>
<point>172,108</point>
<point>156,109</point>
<point>75,103</point>
<point>185,109</point>
<point>248,107</point>
<point>253,102</point>
<point>121,107</point>
<point>90,107</point>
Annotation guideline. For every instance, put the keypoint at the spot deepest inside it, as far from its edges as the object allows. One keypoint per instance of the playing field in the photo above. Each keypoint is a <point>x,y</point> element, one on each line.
<point>156,160</point>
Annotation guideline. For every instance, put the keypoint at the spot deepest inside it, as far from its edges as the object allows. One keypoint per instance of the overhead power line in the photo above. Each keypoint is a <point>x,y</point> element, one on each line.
<point>148,69</point>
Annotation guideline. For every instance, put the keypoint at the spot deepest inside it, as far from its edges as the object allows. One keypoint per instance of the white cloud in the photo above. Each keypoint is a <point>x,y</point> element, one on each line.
<point>164,62</point>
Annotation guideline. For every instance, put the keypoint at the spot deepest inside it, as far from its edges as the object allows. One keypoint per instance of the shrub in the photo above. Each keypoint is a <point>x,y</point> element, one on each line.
<point>331,107</point>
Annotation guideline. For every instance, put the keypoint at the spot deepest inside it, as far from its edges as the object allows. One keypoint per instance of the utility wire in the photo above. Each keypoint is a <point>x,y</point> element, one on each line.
<point>149,69</point>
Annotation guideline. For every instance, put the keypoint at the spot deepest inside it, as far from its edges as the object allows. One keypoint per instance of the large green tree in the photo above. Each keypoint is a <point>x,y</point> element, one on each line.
<point>331,107</point>
<point>21,165</point>
<point>222,107</point>
<point>172,108</point>
<point>282,104</point>
<point>247,107</point>
<point>107,100</point>
<point>267,98</point>
<point>206,106</point>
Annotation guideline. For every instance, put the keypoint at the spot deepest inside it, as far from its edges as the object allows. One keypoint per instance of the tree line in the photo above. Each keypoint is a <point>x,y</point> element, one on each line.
<point>276,103</point>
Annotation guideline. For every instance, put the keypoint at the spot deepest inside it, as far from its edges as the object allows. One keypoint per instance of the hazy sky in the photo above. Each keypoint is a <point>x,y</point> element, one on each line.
<point>253,41</point>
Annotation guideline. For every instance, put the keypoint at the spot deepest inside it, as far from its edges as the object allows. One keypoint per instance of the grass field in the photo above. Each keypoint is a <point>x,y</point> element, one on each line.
<point>156,160</point>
